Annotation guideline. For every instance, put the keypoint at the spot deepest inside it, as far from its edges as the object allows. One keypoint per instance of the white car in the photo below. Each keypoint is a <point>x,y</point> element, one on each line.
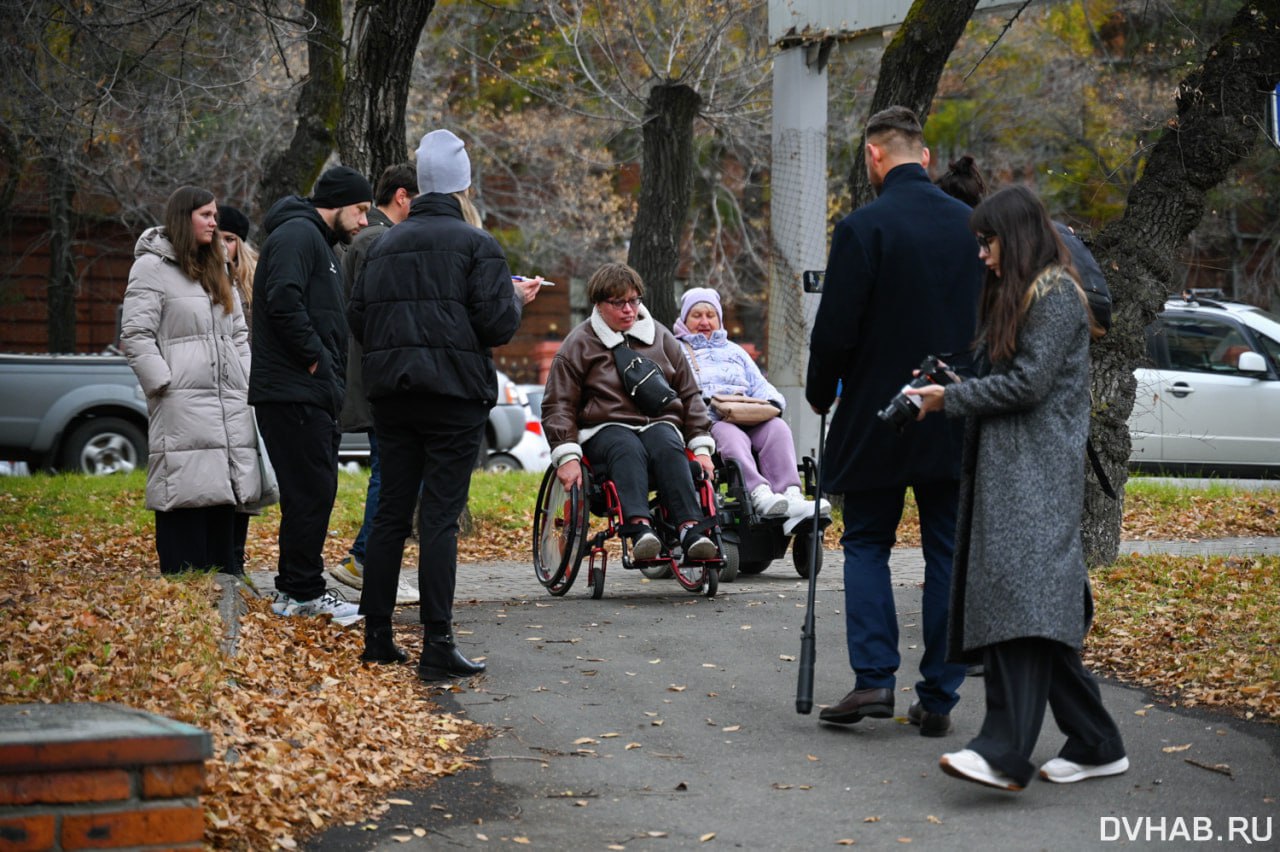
<point>1210,400</point>
<point>531,451</point>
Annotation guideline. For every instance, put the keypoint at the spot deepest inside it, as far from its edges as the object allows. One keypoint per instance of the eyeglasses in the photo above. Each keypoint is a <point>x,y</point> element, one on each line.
<point>984,241</point>
<point>619,304</point>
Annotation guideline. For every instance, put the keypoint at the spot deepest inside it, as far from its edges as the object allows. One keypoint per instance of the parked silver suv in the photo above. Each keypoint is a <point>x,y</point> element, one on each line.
<point>1209,401</point>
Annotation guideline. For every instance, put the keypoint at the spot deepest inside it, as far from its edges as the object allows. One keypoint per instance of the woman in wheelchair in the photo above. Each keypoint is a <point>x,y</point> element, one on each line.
<point>764,452</point>
<point>587,412</point>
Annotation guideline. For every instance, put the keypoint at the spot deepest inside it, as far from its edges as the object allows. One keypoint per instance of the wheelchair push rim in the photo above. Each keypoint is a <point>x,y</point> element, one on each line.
<point>559,533</point>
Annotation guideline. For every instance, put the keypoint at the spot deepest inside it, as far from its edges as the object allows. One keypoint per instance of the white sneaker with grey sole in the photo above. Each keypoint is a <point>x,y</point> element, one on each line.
<point>342,612</point>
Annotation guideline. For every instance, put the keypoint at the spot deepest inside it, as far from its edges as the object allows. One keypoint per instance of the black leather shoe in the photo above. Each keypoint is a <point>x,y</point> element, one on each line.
<point>380,647</point>
<point>441,659</point>
<point>931,724</point>
<point>858,705</point>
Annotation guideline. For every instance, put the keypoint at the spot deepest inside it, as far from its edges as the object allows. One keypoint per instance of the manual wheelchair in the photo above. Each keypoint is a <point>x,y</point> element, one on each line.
<point>562,537</point>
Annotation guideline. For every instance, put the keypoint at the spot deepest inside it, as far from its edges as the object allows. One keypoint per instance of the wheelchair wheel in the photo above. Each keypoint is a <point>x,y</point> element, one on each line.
<point>729,571</point>
<point>597,582</point>
<point>693,577</point>
<point>753,566</point>
<point>559,534</point>
<point>712,582</point>
<point>657,572</point>
<point>802,551</point>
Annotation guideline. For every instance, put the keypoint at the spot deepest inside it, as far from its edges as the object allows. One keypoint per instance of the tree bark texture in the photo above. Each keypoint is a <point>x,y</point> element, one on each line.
<point>384,41</point>
<point>665,186</point>
<point>910,69</point>
<point>293,170</point>
<point>1221,107</point>
<point>62,264</point>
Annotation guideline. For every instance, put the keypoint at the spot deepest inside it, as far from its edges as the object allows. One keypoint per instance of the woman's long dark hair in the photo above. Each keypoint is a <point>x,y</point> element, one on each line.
<point>1028,244</point>
<point>204,264</point>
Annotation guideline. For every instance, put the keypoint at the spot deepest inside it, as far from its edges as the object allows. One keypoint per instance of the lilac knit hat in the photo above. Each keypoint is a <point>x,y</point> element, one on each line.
<point>700,294</point>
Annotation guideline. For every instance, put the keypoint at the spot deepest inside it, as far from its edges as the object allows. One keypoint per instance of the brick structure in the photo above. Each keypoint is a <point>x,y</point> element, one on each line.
<point>99,776</point>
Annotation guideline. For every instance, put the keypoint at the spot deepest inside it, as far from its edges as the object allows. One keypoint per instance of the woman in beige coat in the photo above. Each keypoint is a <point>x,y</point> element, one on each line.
<point>184,333</point>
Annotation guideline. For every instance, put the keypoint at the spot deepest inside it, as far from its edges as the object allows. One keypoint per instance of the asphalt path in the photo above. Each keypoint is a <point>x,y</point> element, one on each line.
<point>659,719</point>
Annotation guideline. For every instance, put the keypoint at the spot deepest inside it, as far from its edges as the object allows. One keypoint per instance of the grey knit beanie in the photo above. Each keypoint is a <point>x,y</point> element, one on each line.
<point>443,165</point>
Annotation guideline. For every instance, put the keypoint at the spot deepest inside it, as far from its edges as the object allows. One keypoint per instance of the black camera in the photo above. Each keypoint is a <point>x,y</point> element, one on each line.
<point>902,409</point>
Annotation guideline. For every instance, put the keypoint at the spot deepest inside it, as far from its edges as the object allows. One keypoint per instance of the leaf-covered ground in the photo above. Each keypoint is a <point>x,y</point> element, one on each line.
<point>303,739</point>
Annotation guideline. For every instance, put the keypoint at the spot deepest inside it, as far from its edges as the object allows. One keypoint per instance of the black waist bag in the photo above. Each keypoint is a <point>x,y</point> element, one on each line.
<point>643,380</point>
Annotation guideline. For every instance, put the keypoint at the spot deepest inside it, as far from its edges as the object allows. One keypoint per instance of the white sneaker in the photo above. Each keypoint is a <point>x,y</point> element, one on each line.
<point>798,504</point>
<point>766,503</point>
<point>350,572</point>
<point>342,612</point>
<point>1062,771</point>
<point>406,592</point>
<point>968,765</point>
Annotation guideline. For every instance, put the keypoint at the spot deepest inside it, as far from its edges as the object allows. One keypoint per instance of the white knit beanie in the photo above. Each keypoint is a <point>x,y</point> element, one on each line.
<point>443,165</point>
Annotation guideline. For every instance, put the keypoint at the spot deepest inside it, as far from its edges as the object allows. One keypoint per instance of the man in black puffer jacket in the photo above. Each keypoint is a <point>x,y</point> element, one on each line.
<point>435,296</point>
<point>297,379</point>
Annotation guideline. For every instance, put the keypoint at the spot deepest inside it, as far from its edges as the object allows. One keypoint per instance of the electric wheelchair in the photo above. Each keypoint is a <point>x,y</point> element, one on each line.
<point>752,542</point>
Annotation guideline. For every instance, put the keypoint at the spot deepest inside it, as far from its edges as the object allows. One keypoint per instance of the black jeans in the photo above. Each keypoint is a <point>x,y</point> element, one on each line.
<point>195,539</point>
<point>634,459</point>
<point>428,443</point>
<point>1022,676</point>
<point>302,442</point>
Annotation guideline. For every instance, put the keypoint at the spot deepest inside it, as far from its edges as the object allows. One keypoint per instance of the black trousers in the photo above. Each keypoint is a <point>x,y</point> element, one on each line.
<point>195,539</point>
<point>634,459</point>
<point>1022,676</point>
<point>427,443</point>
<point>302,441</point>
<point>239,540</point>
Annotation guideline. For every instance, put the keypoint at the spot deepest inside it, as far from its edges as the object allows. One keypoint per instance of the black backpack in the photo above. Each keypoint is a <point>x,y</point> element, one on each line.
<point>1091,277</point>
<point>1099,296</point>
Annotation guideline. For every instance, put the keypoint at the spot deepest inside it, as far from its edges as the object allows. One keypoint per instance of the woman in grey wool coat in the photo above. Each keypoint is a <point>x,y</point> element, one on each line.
<point>1020,599</point>
<point>183,331</point>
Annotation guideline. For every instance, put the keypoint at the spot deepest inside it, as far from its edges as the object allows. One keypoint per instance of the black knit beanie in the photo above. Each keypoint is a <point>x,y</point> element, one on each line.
<point>340,186</point>
<point>233,221</point>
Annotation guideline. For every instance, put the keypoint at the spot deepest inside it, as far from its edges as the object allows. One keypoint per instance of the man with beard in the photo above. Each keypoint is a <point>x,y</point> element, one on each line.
<point>298,376</point>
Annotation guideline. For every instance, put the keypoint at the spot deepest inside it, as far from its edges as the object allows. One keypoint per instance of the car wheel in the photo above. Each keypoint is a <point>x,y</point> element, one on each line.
<point>502,463</point>
<point>104,445</point>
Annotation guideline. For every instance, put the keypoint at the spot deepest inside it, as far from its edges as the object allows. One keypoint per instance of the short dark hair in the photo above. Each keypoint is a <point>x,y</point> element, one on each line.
<point>613,281</point>
<point>896,121</point>
<point>399,176</point>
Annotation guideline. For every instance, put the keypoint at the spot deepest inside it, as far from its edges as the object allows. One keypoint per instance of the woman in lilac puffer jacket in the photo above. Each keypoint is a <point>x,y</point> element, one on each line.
<point>765,452</point>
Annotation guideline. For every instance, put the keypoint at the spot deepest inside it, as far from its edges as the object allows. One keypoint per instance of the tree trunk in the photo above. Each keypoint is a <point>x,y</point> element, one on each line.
<point>62,264</point>
<point>910,69</point>
<point>1221,113</point>
<point>384,36</point>
<point>665,187</point>
<point>293,170</point>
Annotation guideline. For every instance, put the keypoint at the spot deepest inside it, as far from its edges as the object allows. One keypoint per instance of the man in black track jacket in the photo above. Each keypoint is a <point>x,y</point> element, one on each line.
<point>297,380</point>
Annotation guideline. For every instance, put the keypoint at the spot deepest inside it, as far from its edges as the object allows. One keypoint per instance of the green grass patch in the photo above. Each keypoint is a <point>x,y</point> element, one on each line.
<point>49,505</point>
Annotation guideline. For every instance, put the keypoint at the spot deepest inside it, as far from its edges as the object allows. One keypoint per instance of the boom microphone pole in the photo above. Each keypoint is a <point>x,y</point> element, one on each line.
<point>804,686</point>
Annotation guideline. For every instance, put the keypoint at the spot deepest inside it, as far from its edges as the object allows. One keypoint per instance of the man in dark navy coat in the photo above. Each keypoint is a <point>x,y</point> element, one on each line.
<point>902,282</point>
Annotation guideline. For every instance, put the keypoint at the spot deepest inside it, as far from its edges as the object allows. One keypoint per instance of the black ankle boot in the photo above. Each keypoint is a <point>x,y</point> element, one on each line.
<point>441,659</point>
<point>380,647</point>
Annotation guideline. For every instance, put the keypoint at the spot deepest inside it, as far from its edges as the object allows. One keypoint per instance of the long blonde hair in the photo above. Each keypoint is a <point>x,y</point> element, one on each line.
<point>470,214</point>
<point>242,269</point>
